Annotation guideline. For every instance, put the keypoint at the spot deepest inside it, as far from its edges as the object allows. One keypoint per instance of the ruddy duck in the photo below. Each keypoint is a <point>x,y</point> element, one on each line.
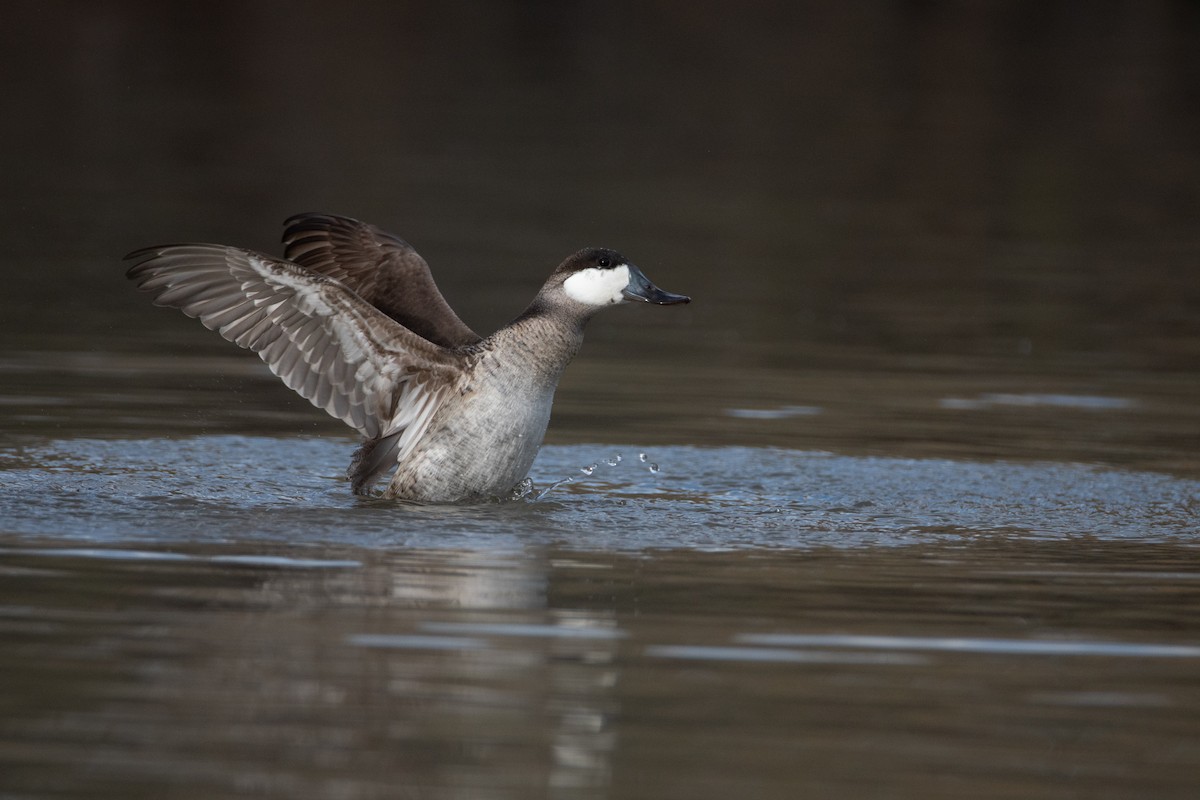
<point>352,320</point>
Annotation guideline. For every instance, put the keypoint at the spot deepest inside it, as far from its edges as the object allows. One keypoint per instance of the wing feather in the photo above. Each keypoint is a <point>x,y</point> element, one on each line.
<point>381,268</point>
<point>314,332</point>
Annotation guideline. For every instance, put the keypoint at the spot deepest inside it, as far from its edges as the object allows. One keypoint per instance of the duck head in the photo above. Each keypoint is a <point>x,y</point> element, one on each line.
<point>600,277</point>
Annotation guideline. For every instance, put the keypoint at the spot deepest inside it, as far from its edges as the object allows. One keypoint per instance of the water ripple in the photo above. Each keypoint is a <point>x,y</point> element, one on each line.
<point>233,488</point>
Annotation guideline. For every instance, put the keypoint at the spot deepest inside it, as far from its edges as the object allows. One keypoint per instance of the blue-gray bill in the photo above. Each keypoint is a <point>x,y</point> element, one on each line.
<point>640,288</point>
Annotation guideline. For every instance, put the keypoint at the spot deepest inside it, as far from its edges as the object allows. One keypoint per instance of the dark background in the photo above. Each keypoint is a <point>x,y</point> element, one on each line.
<point>864,199</point>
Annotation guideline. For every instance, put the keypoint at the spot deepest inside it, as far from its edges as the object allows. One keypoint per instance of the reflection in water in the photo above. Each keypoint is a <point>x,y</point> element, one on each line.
<point>967,645</point>
<point>1082,402</point>
<point>528,699</point>
<point>774,654</point>
<point>303,675</point>
<point>457,673</point>
<point>783,412</point>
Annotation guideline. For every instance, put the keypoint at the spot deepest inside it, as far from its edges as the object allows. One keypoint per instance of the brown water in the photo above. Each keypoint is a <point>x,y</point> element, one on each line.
<point>905,504</point>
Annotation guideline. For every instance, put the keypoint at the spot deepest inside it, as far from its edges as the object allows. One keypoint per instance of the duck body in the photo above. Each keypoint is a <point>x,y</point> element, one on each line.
<point>484,442</point>
<point>352,320</point>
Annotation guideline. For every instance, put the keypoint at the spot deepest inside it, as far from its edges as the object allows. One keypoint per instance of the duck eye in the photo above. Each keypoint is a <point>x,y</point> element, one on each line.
<point>604,262</point>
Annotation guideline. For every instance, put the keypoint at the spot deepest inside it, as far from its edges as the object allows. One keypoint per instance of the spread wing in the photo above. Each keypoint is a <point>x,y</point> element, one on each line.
<point>382,269</point>
<point>321,338</point>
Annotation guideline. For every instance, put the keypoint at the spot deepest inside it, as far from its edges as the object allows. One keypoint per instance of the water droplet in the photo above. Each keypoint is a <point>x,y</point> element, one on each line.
<point>642,457</point>
<point>552,487</point>
<point>522,489</point>
<point>653,467</point>
<point>612,462</point>
<point>588,470</point>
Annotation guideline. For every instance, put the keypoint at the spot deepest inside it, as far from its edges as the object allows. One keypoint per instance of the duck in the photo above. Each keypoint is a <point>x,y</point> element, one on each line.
<point>351,319</point>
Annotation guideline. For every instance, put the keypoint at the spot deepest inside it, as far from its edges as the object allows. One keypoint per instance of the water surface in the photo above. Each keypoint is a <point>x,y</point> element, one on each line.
<point>1011,666</point>
<point>917,513</point>
<point>217,616</point>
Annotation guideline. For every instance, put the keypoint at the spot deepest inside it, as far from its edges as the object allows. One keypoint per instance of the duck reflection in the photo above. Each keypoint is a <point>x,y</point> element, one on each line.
<point>438,671</point>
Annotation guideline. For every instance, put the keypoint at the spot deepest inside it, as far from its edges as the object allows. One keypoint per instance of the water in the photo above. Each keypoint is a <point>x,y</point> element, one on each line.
<point>291,490</point>
<point>903,505</point>
<point>217,615</point>
<point>208,667</point>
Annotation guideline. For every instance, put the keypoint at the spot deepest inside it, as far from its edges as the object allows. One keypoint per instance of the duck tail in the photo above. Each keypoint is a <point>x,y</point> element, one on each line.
<point>372,459</point>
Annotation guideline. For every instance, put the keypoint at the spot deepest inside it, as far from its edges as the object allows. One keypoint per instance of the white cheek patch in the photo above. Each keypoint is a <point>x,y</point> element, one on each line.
<point>597,287</point>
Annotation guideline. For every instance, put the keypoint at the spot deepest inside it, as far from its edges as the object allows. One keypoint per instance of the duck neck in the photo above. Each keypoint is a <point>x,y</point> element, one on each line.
<point>543,338</point>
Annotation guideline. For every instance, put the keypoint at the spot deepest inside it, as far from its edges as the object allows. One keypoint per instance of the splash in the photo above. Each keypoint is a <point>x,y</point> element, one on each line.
<point>602,466</point>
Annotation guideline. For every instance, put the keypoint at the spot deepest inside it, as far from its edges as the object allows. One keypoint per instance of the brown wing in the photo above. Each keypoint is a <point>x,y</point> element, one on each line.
<point>322,339</point>
<point>383,269</point>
